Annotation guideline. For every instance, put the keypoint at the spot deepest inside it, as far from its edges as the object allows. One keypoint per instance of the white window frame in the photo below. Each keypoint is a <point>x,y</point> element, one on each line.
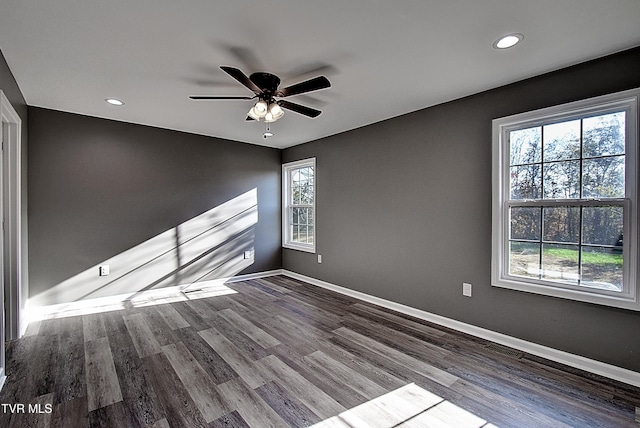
<point>629,298</point>
<point>287,204</point>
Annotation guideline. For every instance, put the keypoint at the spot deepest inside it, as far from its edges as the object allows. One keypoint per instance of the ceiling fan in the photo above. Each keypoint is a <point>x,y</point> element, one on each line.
<point>265,87</point>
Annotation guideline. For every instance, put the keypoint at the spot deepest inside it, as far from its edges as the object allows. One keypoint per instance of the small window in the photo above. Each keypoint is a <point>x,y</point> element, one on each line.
<point>565,201</point>
<point>299,205</point>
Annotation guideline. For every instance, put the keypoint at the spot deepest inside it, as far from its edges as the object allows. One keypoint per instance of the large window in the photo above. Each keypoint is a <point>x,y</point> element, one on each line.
<point>299,199</point>
<point>565,201</point>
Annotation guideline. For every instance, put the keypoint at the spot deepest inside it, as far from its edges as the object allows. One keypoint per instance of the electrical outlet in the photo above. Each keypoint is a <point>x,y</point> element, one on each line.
<point>466,289</point>
<point>247,255</point>
<point>104,270</point>
<point>319,258</point>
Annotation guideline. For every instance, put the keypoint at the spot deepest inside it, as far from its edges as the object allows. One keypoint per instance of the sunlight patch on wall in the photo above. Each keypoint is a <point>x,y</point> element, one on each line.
<point>408,406</point>
<point>209,246</point>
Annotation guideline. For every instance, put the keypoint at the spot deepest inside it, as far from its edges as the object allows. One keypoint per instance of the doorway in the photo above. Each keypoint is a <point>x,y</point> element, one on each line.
<point>13,295</point>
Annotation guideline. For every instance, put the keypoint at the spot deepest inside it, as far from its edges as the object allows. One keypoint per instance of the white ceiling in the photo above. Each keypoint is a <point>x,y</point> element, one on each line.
<point>383,58</point>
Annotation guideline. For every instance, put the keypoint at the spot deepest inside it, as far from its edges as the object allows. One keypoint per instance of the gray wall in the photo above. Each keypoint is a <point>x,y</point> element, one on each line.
<point>404,213</point>
<point>98,188</point>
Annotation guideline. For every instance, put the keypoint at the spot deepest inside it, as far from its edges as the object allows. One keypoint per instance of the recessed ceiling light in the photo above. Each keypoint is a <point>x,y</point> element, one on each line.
<point>507,41</point>
<point>114,101</point>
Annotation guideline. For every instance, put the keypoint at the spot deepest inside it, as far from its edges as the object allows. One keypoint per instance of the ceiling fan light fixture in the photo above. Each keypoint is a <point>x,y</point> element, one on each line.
<point>508,41</point>
<point>261,108</point>
<point>252,114</point>
<point>269,118</point>
<point>276,111</point>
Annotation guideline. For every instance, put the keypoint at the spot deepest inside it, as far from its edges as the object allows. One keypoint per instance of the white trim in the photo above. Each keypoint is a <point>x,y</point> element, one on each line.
<point>579,362</point>
<point>12,213</point>
<point>629,298</point>
<point>116,302</point>
<point>286,186</point>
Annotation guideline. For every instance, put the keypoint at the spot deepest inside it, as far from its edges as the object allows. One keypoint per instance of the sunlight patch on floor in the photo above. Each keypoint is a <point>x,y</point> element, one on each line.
<point>409,406</point>
<point>124,301</point>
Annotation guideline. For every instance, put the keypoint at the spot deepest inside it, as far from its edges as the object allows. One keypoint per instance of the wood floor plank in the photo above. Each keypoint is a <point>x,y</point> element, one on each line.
<point>233,356</point>
<point>245,344</point>
<point>172,317</point>
<point>250,405</point>
<point>342,393</point>
<point>93,327</point>
<point>162,423</point>
<point>197,382</point>
<point>399,370</point>
<point>113,415</point>
<point>260,336</point>
<point>180,409</point>
<point>18,364</point>
<point>208,358</point>
<point>311,396</point>
<point>288,407</point>
<point>396,339</point>
<point>33,328</point>
<point>340,373</point>
<point>70,379</point>
<point>191,316</point>
<point>376,374</point>
<point>41,375</point>
<point>394,319</point>
<point>163,333</point>
<point>143,339</point>
<point>72,413</point>
<point>103,387</point>
<point>138,393</point>
<point>230,420</point>
<point>434,373</point>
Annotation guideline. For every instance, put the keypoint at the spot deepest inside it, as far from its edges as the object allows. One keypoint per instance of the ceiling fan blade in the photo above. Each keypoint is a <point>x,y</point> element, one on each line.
<point>242,78</point>
<point>307,111</point>
<point>206,97</point>
<point>314,84</point>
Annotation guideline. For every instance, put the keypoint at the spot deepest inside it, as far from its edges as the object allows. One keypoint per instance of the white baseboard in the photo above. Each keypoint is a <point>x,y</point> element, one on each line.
<point>572,360</point>
<point>116,302</point>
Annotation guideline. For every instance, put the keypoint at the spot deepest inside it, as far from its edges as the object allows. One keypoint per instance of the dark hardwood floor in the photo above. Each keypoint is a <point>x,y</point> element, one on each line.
<point>279,352</point>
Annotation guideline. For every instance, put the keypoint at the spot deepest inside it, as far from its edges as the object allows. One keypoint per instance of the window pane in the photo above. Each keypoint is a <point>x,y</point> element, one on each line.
<point>302,234</point>
<point>561,141</point>
<point>560,263</point>
<point>310,235</point>
<point>302,225</point>
<point>561,224</point>
<point>526,182</point>
<point>562,180</point>
<point>603,177</point>
<point>525,146</point>
<point>603,135</point>
<point>602,226</point>
<point>525,223</point>
<point>524,259</point>
<point>602,268</point>
<point>306,194</point>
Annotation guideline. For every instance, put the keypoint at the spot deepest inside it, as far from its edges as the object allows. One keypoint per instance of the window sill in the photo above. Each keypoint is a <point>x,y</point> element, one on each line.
<point>300,247</point>
<point>620,300</point>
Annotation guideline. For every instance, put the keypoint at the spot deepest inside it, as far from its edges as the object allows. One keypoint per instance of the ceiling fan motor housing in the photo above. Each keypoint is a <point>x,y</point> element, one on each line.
<point>267,82</point>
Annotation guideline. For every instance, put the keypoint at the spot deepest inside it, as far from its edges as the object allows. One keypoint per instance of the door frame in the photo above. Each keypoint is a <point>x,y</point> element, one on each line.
<point>11,126</point>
